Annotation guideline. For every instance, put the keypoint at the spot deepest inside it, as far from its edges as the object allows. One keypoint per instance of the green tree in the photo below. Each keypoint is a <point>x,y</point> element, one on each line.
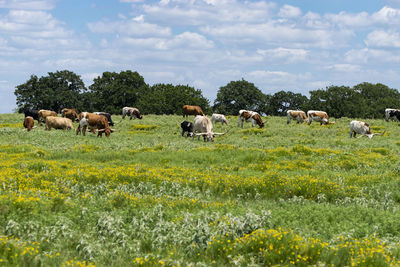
<point>280,102</point>
<point>54,92</point>
<point>169,99</point>
<point>377,98</point>
<point>237,95</point>
<point>113,91</point>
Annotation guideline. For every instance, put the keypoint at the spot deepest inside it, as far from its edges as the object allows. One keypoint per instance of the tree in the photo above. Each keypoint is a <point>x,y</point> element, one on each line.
<point>113,91</point>
<point>238,95</point>
<point>280,102</point>
<point>169,99</point>
<point>54,92</point>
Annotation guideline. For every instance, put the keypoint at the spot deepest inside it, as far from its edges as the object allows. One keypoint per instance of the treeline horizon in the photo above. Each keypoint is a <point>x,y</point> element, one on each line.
<point>112,91</point>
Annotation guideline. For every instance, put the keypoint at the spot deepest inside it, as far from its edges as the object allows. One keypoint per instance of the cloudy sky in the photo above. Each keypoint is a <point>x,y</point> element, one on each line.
<point>292,45</point>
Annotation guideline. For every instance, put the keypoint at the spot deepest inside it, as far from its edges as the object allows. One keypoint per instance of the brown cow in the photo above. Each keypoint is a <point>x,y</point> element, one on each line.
<point>254,117</point>
<point>94,121</point>
<point>318,116</point>
<point>298,115</point>
<point>58,123</point>
<point>191,110</point>
<point>29,123</point>
<point>70,113</point>
<point>42,114</point>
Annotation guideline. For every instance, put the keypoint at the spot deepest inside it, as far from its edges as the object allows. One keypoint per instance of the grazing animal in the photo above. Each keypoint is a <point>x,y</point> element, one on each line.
<point>58,123</point>
<point>318,116</point>
<point>107,115</point>
<point>29,123</point>
<point>70,113</point>
<point>94,121</point>
<point>360,127</point>
<point>131,112</point>
<point>45,113</point>
<point>218,118</point>
<point>298,115</point>
<point>34,113</point>
<point>191,110</point>
<point>187,126</point>
<point>393,114</point>
<point>203,126</point>
<point>254,117</point>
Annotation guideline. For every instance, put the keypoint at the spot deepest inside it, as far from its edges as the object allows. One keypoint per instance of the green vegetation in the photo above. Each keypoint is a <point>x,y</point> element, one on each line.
<point>283,195</point>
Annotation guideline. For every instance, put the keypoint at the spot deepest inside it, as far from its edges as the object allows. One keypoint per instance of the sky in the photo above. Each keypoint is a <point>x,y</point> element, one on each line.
<point>292,45</point>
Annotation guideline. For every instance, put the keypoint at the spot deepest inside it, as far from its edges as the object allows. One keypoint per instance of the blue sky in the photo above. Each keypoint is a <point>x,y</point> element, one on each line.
<point>294,45</point>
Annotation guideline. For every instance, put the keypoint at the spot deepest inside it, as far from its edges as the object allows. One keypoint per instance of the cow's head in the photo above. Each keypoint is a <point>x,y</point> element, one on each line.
<point>106,131</point>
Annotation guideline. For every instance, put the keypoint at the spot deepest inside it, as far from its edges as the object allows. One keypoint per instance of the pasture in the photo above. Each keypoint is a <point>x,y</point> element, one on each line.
<point>283,195</point>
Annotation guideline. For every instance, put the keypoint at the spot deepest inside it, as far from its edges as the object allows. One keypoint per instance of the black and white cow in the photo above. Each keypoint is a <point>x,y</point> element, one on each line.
<point>187,126</point>
<point>391,113</point>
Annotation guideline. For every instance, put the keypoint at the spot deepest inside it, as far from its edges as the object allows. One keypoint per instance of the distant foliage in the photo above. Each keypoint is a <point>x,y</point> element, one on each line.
<point>169,99</point>
<point>112,91</point>
<point>62,89</point>
<point>238,95</point>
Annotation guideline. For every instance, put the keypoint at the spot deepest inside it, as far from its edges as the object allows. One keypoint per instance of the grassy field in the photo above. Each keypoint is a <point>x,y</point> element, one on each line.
<point>283,195</point>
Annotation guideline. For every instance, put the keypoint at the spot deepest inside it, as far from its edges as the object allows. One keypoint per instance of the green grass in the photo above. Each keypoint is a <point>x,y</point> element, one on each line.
<point>283,195</point>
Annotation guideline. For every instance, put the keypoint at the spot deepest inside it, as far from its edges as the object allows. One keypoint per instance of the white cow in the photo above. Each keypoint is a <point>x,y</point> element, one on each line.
<point>360,127</point>
<point>203,126</point>
<point>318,116</point>
<point>219,118</point>
<point>247,115</point>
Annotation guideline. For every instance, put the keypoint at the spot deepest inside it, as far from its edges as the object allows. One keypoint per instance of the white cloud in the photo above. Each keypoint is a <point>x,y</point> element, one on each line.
<point>28,4</point>
<point>382,38</point>
<point>284,54</point>
<point>134,27</point>
<point>288,11</point>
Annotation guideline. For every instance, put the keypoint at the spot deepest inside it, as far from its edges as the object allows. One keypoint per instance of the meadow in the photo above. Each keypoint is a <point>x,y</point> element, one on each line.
<point>285,195</point>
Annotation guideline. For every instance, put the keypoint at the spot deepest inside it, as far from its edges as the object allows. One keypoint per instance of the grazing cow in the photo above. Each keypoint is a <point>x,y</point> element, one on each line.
<point>298,115</point>
<point>58,123</point>
<point>219,118</point>
<point>187,126</point>
<point>29,123</point>
<point>34,113</point>
<point>318,116</point>
<point>131,112</point>
<point>360,127</point>
<point>45,113</point>
<point>246,115</point>
<point>70,113</point>
<point>107,115</point>
<point>98,122</point>
<point>191,110</point>
<point>203,125</point>
<point>391,113</point>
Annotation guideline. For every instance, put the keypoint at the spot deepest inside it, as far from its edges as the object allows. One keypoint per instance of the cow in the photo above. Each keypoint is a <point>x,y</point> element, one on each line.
<point>42,114</point>
<point>360,127</point>
<point>96,122</point>
<point>218,118</point>
<point>203,126</point>
<point>29,123</point>
<point>70,113</point>
<point>318,116</point>
<point>107,115</point>
<point>254,117</point>
<point>58,123</point>
<point>187,126</point>
<point>191,110</point>
<point>298,115</point>
<point>131,112</point>
<point>34,113</point>
<point>390,113</point>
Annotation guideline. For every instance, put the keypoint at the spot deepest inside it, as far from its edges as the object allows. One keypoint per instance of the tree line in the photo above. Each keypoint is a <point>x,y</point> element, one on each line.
<point>111,91</point>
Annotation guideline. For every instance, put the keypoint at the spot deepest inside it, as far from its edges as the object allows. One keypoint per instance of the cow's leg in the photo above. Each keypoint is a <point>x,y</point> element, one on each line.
<point>288,120</point>
<point>351,134</point>
<point>78,130</point>
<point>84,130</point>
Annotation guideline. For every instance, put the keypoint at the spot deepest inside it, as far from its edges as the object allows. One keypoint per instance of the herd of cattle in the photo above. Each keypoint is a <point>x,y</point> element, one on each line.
<point>101,122</point>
